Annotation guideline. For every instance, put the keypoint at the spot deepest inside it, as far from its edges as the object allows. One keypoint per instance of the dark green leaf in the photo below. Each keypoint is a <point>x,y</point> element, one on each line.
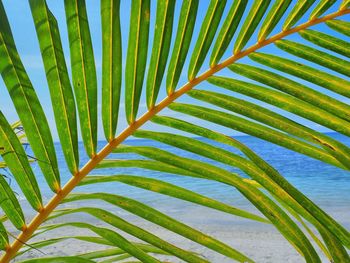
<point>321,8</point>
<point>340,26</point>
<point>227,31</point>
<point>163,220</point>
<point>131,229</point>
<point>272,211</point>
<point>160,51</point>
<point>16,159</point>
<point>83,71</point>
<point>111,65</point>
<point>270,179</point>
<point>322,58</point>
<point>254,17</point>
<point>326,41</point>
<point>57,77</point>
<point>4,240</point>
<point>182,43</point>
<point>171,190</point>
<point>10,204</point>
<point>273,17</point>
<point>255,129</point>
<point>294,88</point>
<point>136,56</point>
<point>27,104</point>
<point>300,8</point>
<point>206,35</point>
<point>318,77</point>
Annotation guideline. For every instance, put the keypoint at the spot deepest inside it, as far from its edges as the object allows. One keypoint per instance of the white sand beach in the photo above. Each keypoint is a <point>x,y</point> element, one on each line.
<point>259,241</point>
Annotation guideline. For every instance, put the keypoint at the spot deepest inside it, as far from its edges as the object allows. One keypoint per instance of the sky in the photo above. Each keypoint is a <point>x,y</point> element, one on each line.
<point>23,30</point>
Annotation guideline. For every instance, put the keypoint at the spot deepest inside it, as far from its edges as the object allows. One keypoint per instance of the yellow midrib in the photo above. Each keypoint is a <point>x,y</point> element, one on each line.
<point>27,232</point>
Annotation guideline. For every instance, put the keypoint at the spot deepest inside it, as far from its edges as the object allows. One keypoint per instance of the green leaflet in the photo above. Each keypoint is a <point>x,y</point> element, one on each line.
<point>255,129</point>
<point>172,190</point>
<point>338,253</point>
<point>270,179</point>
<point>16,159</point>
<point>58,260</point>
<point>227,31</point>
<point>4,240</point>
<point>49,242</point>
<point>83,71</point>
<point>136,56</point>
<point>282,101</point>
<point>300,8</point>
<point>312,209</point>
<point>316,212</point>
<point>267,117</point>
<point>116,251</point>
<point>340,26</point>
<point>152,165</point>
<point>135,231</point>
<point>321,8</point>
<point>27,104</point>
<point>293,88</point>
<point>160,51</point>
<point>145,164</point>
<point>273,17</point>
<point>253,111</point>
<point>326,41</point>
<point>182,43</point>
<point>99,254</point>
<point>115,239</point>
<point>206,36</point>
<point>111,65</point>
<point>322,58</point>
<point>200,148</point>
<point>218,137</point>
<point>318,77</point>
<point>279,99</point>
<point>163,220</point>
<point>10,204</point>
<point>58,80</point>
<point>254,17</point>
<point>124,244</point>
<point>266,206</point>
<point>307,228</point>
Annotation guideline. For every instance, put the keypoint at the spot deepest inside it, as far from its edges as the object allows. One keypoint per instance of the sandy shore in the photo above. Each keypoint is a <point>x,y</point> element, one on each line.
<point>261,242</point>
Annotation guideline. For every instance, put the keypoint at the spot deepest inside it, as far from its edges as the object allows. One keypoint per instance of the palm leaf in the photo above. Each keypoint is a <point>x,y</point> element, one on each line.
<point>112,66</point>
<point>268,95</point>
<point>16,159</point>
<point>160,50</point>
<point>340,26</point>
<point>136,57</point>
<point>27,104</point>
<point>58,80</point>
<point>83,72</point>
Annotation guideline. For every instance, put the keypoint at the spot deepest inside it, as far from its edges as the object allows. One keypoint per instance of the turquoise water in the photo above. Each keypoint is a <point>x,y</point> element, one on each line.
<point>326,185</point>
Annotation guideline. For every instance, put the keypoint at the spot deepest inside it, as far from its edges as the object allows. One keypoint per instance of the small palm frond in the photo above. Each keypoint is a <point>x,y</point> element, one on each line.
<point>293,69</point>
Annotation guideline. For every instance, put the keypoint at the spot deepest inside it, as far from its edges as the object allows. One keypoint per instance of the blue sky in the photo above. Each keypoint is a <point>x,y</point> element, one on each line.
<point>24,33</point>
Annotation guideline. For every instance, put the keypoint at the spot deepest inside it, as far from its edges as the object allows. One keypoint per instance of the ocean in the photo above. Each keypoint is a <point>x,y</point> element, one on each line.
<point>326,185</point>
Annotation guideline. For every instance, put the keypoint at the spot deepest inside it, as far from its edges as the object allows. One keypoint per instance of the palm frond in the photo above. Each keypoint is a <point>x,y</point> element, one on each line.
<point>268,95</point>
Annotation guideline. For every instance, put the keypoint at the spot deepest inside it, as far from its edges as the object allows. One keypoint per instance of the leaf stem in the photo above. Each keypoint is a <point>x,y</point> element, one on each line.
<point>28,231</point>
